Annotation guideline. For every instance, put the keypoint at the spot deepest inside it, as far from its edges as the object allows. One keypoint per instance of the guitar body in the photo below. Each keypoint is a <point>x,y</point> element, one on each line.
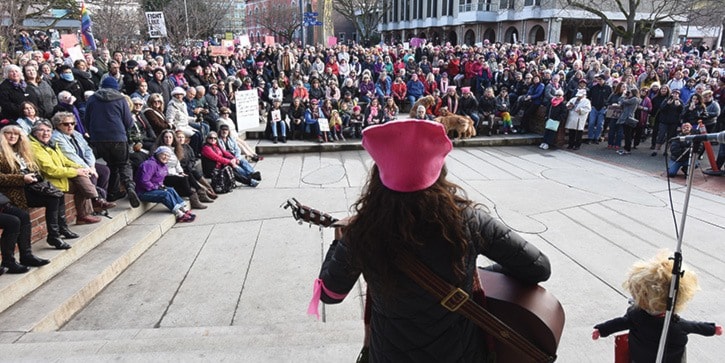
<point>529,310</point>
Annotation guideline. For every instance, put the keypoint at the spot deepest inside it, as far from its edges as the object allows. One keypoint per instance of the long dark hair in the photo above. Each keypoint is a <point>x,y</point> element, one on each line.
<point>389,222</point>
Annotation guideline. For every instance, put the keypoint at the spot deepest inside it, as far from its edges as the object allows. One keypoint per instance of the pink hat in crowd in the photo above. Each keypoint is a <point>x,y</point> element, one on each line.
<point>409,153</point>
<point>465,89</point>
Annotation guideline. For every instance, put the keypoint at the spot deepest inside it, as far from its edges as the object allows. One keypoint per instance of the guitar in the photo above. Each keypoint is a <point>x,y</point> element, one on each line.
<point>529,310</point>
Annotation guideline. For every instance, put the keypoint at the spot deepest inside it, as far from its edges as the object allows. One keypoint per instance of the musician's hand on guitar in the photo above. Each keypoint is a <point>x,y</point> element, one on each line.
<point>595,334</point>
<point>340,226</point>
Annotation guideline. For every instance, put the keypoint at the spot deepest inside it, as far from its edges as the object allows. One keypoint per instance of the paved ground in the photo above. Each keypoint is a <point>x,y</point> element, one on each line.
<point>235,284</point>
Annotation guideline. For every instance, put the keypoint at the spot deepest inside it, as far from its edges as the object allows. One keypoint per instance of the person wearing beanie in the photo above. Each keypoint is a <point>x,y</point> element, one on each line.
<point>107,117</point>
<point>411,213</point>
<point>150,185</point>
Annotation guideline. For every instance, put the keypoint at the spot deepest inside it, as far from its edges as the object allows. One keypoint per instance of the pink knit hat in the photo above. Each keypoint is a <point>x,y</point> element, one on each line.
<point>409,153</point>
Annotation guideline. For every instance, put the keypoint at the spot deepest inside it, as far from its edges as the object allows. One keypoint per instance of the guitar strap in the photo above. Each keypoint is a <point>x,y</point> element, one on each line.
<point>456,300</point>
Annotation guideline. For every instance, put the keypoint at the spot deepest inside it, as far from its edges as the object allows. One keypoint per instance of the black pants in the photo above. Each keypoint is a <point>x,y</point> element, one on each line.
<point>54,211</point>
<point>116,156</point>
<point>15,222</point>
<point>628,135</point>
<point>180,183</point>
<point>575,138</point>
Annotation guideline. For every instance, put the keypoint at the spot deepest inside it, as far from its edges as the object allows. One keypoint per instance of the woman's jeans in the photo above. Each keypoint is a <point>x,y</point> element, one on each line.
<point>168,197</point>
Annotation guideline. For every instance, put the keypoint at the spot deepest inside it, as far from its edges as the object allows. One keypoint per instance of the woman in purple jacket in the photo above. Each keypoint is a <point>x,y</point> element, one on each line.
<point>150,185</point>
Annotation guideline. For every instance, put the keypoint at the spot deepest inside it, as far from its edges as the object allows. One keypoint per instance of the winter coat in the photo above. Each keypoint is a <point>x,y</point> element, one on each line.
<point>412,326</point>
<point>55,167</point>
<point>578,114</point>
<point>150,175</point>
<point>645,331</point>
<point>108,116</point>
<point>11,96</point>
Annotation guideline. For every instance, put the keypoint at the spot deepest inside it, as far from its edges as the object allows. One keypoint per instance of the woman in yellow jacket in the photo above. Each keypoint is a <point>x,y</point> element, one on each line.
<point>63,173</point>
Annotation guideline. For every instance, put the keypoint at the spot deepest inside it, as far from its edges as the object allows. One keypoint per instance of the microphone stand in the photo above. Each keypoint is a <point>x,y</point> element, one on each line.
<point>677,265</point>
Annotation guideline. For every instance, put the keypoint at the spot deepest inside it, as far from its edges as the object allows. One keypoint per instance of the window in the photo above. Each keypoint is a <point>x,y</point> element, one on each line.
<point>445,7</point>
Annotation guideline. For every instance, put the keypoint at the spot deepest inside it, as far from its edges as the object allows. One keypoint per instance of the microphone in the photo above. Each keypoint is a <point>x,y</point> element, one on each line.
<point>719,137</point>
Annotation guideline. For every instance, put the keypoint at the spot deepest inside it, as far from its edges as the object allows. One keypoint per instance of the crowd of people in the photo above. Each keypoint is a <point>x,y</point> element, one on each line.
<point>129,106</point>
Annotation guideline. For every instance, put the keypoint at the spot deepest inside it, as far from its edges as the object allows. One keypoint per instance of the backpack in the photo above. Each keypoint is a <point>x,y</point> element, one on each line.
<point>222,180</point>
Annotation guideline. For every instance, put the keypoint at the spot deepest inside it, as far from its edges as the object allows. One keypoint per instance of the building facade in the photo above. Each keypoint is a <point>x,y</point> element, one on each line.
<point>526,21</point>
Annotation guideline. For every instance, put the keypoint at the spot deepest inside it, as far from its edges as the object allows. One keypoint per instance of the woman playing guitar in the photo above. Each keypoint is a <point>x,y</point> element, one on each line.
<point>411,218</point>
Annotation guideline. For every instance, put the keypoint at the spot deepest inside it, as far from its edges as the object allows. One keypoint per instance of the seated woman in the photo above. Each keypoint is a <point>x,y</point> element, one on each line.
<point>72,144</point>
<point>16,227</point>
<point>176,178</point>
<point>63,173</point>
<point>141,131</point>
<point>150,185</point>
<point>154,113</point>
<point>30,116</point>
<point>178,117</point>
<point>188,164</point>
<point>214,157</point>
<point>18,169</point>
<point>277,122</point>
<point>224,119</point>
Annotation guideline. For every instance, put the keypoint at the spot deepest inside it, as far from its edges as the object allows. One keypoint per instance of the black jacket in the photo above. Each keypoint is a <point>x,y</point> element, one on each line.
<point>645,331</point>
<point>11,97</point>
<point>412,326</point>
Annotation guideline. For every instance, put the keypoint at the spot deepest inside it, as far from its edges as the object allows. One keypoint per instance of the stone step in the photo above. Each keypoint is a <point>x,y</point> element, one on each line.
<point>312,341</point>
<point>51,295</point>
<point>15,287</point>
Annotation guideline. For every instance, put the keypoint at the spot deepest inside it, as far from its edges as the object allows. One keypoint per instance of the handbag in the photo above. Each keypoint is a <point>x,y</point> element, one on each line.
<point>43,188</point>
<point>631,122</point>
<point>552,125</point>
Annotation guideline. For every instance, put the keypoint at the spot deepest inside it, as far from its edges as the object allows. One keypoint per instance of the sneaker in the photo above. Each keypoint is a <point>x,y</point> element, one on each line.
<point>545,146</point>
<point>623,152</point>
<point>654,153</point>
<point>186,218</point>
<point>256,175</point>
<point>541,146</point>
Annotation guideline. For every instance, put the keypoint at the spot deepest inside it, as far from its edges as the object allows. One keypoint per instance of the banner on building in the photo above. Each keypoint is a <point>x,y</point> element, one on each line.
<point>247,109</point>
<point>156,23</point>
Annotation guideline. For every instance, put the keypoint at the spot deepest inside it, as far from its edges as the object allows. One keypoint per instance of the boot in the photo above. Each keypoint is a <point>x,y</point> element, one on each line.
<point>26,254</point>
<point>203,196</point>
<point>63,226</point>
<point>7,248</point>
<point>51,221</point>
<point>209,190</point>
<point>195,202</point>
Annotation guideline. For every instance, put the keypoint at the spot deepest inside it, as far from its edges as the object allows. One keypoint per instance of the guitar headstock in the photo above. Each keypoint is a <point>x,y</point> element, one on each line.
<point>303,213</point>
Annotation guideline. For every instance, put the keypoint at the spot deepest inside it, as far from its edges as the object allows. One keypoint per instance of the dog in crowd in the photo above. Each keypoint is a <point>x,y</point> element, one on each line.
<point>426,101</point>
<point>462,125</point>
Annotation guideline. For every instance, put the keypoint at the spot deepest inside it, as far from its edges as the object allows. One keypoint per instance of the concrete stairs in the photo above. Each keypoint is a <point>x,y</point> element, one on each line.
<point>255,138</point>
<point>282,342</point>
<point>47,297</point>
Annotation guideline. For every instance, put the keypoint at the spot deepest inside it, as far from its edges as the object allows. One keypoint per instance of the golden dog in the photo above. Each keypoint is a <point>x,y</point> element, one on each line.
<point>463,125</point>
<point>426,102</point>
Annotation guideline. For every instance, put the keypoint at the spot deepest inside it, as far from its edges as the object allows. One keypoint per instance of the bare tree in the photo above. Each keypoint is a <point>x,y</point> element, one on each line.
<point>203,18</point>
<point>17,11</point>
<point>282,20</point>
<point>117,24</point>
<point>641,17</point>
<point>366,15</point>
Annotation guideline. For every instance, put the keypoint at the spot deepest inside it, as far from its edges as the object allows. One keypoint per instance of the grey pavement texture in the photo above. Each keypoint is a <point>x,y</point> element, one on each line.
<point>235,284</point>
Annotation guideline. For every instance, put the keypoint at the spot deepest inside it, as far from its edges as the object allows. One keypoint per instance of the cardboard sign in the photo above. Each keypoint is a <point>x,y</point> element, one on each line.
<point>417,42</point>
<point>331,41</point>
<point>216,50</point>
<point>75,53</point>
<point>276,115</point>
<point>247,103</point>
<point>324,124</point>
<point>244,41</point>
<point>268,40</point>
<point>156,24</point>
<point>68,41</point>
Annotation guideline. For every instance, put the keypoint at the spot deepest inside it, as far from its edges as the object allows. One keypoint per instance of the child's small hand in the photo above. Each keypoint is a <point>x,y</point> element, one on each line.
<point>718,330</point>
<point>595,334</point>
